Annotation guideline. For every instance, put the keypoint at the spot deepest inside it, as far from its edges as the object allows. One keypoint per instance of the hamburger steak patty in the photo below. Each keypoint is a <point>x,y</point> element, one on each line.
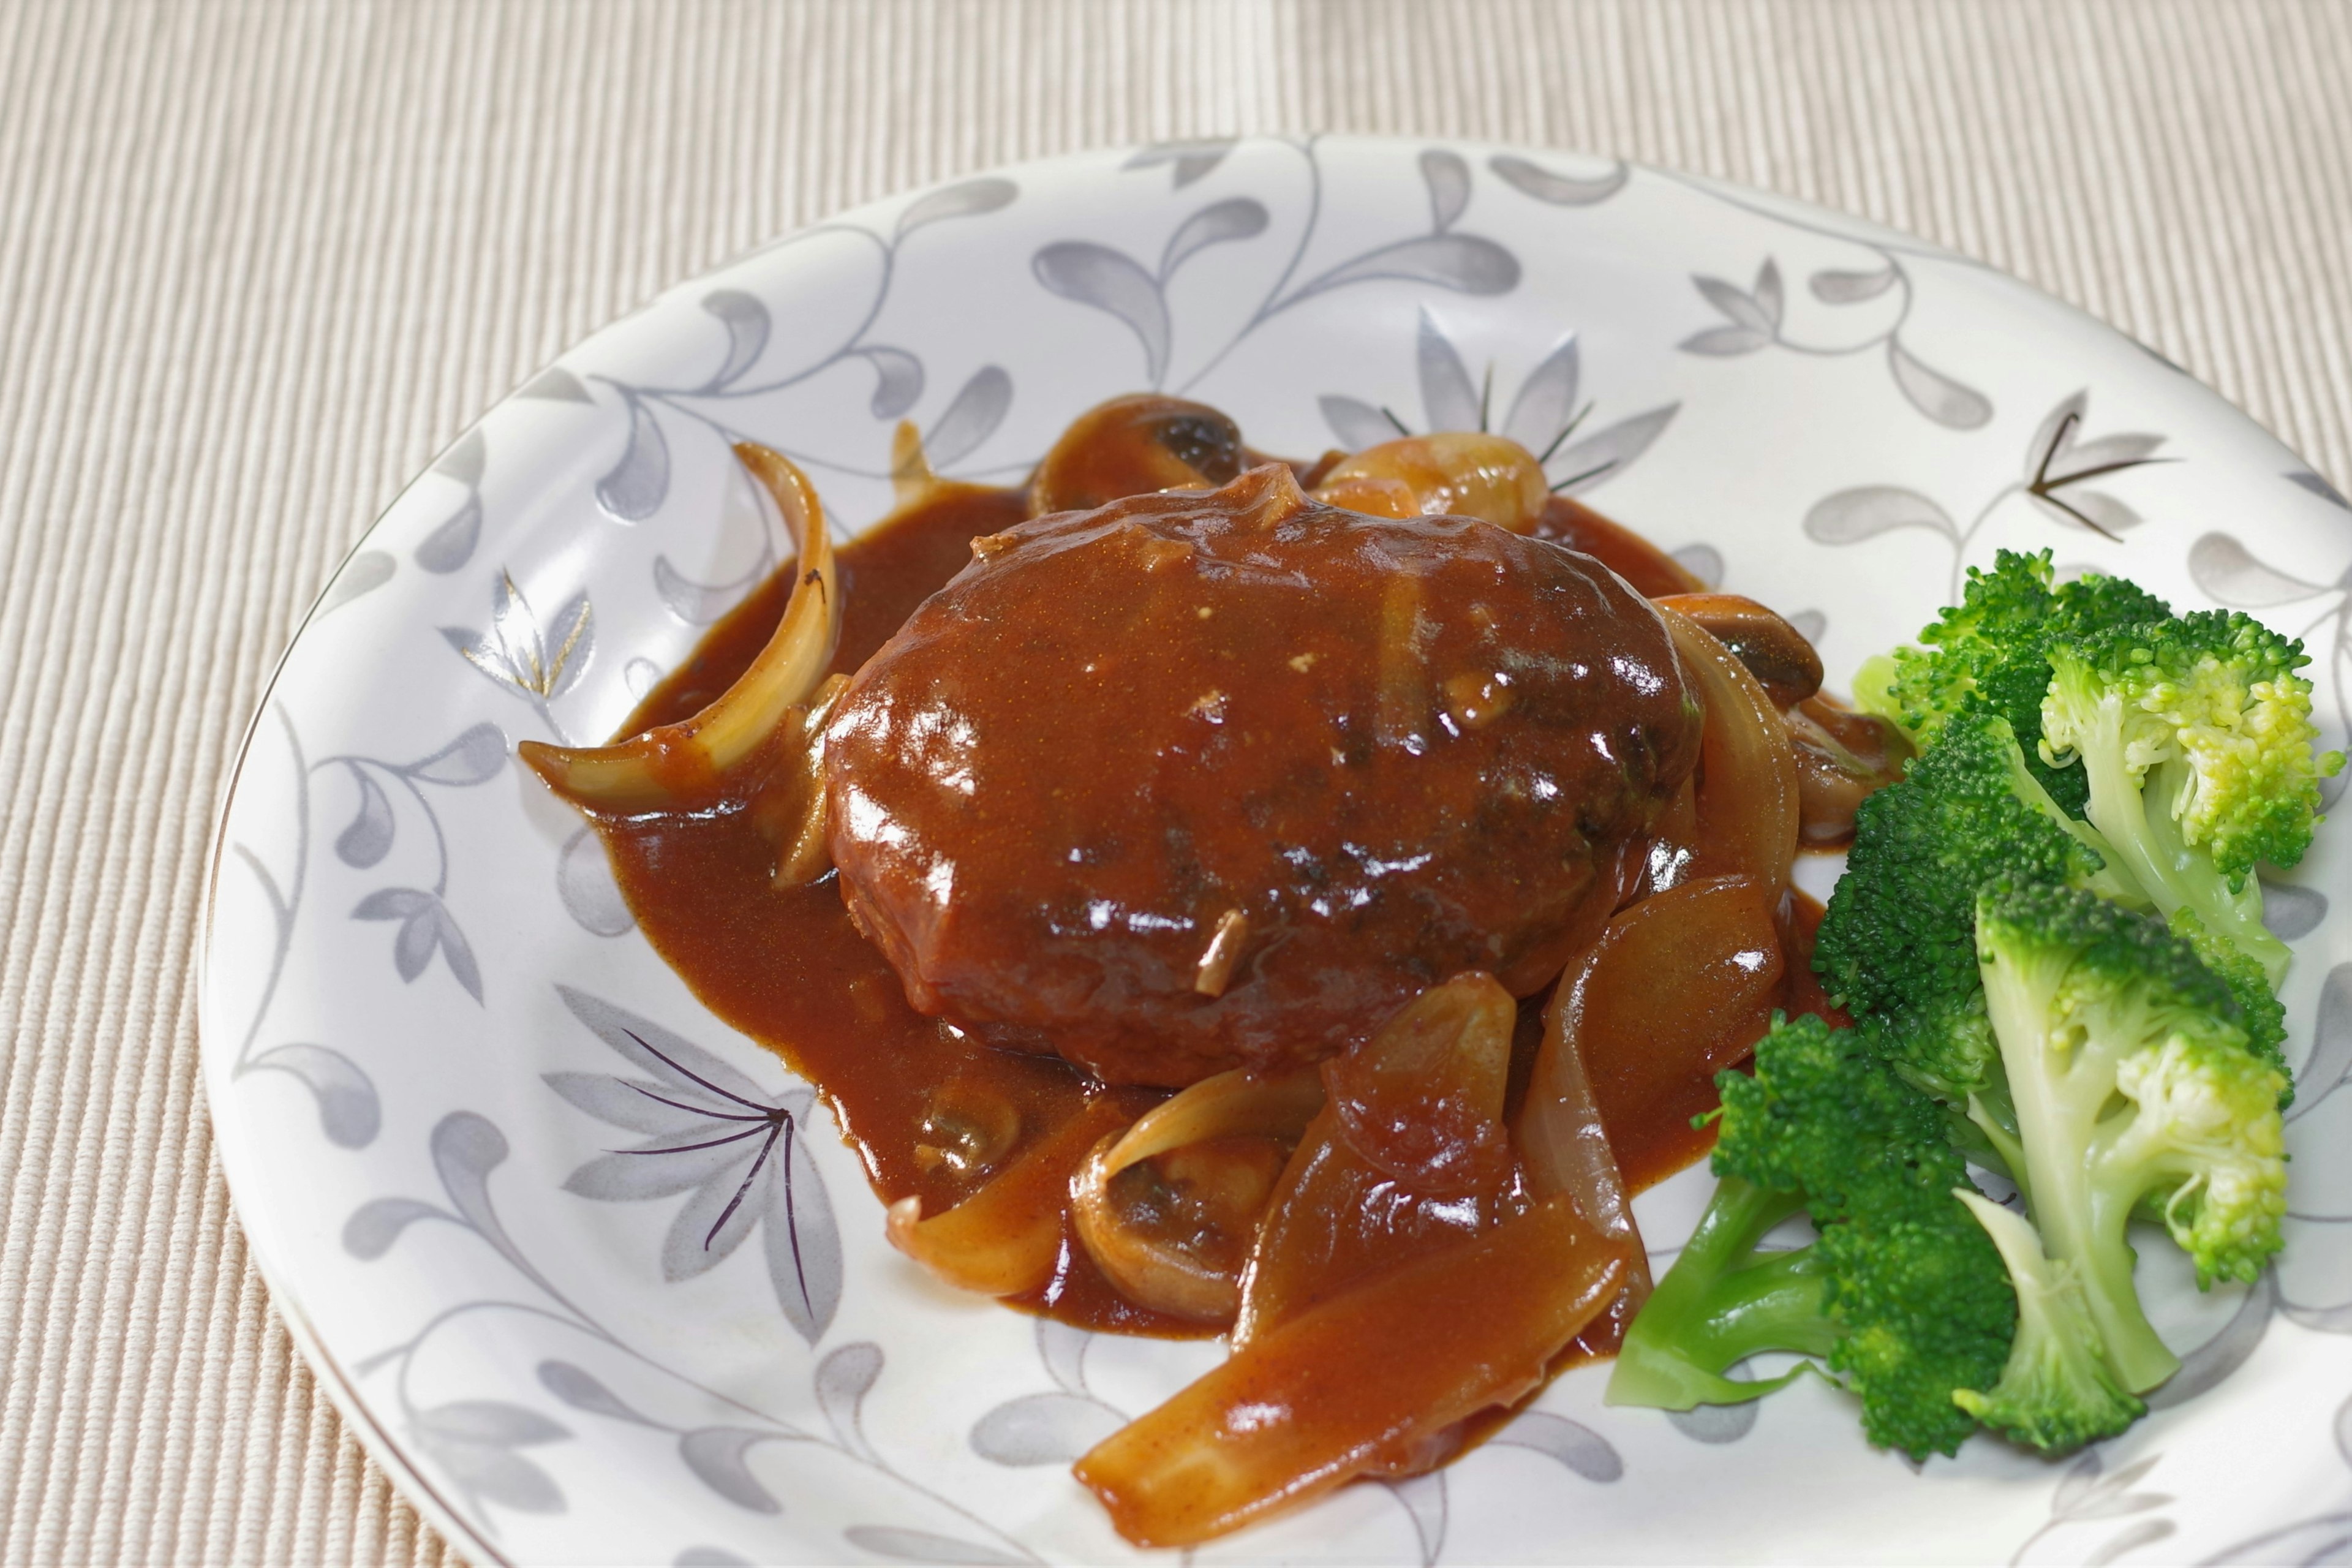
<point>1212,779</point>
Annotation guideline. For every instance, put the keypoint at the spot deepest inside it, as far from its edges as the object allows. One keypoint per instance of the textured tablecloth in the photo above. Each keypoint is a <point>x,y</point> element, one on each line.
<point>259,263</point>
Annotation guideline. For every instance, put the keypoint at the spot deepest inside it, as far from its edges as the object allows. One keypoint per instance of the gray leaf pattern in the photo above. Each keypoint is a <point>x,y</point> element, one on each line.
<point>965,198</point>
<point>1704,561</point>
<point>1725,342</point>
<point>425,927</point>
<point>2205,1368</point>
<point>1448,179</point>
<point>2306,479</point>
<point>2290,910</point>
<point>1832,286</point>
<point>1358,424</point>
<point>374,1225</point>
<point>556,384</point>
<point>1449,399</point>
<point>1934,394</point>
<point>746,320</point>
<point>702,603</point>
<point>1600,455</point>
<point>737,1151</point>
<point>1865,513</point>
<point>633,490</point>
<point>1810,625</point>
<point>584,881</point>
<point>1219,223</point>
<point>349,1111</point>
<point>972,417</point>
<point>720,1459</point>
<point>475,1441</point>
<point>368,838</point>
<point>2231,574</point>
<point>362,573</point>
<point>897,380</point>
<point>1192,159</point>
<point>710,1557</point>
<point>465,461</point>
<point>1576,1447</point>
<point>1560,190</point>
<point>1715,1423</point>
<point>2330,1062</point>
<point>2102,511</point>
<point>1044,1429</point>
<point>451,545</point>
<point>844,1378</point>
<point>516,653</point>
<point>582,1390</point>
<point>475,757</point>
<point>1758,312</point>
<point>1110,281</point>
<point>1546,398</point>
<point>1465,263</point>
<point>923,1546</point>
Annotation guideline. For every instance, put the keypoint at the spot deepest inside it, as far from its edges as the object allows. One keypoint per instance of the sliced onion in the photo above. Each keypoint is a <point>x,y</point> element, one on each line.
<point>680,761</point>
<point>1359,1384</point>
<point>1565,1151</point>
<point>1004,1239</point>
<point>1454,473</point>
<point>1365,1193</point>
<point>1154,1271</point>
<point>1747,770</point>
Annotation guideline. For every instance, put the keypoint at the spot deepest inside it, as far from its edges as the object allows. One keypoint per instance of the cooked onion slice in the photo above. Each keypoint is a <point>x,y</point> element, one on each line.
<point>1004,1240</point>
<point>1564,1150</point>
<point>1451,474</point>
<point>1354,1383</point>
<point>1160,1271</point>
<point>1747,769</point>
<point>663,767</point>
<point>1363,1195</point>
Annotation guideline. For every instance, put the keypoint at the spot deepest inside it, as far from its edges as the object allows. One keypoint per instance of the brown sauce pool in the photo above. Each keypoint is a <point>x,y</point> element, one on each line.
<point>788,969</point>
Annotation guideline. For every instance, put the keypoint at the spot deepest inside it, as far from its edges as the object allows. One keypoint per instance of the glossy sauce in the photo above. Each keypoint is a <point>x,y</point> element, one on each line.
<point>788,968</point>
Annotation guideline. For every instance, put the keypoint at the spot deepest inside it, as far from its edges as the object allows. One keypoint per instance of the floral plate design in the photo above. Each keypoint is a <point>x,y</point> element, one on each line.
<point>593,1275</point>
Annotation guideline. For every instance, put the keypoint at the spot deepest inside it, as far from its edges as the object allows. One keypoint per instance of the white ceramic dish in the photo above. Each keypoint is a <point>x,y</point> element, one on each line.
<point>417,975</point>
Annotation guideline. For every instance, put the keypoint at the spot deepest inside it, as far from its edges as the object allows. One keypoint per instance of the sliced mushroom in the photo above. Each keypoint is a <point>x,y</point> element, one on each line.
<point>1775,652</point>
<point>1134,446</point>
<point>1004,1240</point>
<point>1220,1145</point>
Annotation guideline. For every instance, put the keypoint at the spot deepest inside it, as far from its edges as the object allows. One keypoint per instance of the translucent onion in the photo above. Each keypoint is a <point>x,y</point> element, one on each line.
<point>1451,474</point>
<point>665,767</point>
<point>1359,1381</point>
<point>1746,795</point>
<point>1154,1271</point>
<point>1005,1237</point>
<point>1565,1151</point>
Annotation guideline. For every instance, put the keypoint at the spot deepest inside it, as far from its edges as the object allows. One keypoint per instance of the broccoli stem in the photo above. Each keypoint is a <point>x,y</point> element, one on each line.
<point>2150,846</point>
<point>1722,1302</point>
<point>2080,1211</point>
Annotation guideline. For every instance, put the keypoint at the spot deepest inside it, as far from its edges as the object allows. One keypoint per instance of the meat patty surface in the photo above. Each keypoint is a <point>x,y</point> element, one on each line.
<point>1215,779</point>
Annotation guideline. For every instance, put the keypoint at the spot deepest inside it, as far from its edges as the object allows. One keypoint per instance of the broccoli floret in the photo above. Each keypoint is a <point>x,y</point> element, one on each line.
<point>2129,1067</point>
<point>1897,946</point>
<point>2057,1392</point>
<point>2263,1014</point>
<point>1902,1295</point>
<point>1990,651</point>
<point>2195,739</point>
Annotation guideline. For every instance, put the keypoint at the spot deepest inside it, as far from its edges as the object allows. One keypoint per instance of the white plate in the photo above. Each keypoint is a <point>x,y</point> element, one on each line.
<point>416,972</point>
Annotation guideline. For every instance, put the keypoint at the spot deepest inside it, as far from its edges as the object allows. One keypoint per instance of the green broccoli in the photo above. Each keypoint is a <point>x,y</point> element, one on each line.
<point>2057,1392</point>
<point>2265,1015</point>
<point>2195,739</point>
<point>1898,945</point>
<point>2131,1077</point>
<point>1990,651</point>
<point>1902,1294</point>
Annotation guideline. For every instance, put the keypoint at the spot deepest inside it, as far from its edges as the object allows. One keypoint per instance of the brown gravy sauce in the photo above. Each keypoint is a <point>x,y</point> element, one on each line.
<point>789,970</point>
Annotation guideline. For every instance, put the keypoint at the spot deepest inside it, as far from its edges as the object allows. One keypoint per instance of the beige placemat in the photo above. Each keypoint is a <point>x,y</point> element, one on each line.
<point>259,263</point>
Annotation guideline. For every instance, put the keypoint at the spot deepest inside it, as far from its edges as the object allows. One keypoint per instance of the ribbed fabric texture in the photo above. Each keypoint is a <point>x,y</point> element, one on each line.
<point>259,263</point>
